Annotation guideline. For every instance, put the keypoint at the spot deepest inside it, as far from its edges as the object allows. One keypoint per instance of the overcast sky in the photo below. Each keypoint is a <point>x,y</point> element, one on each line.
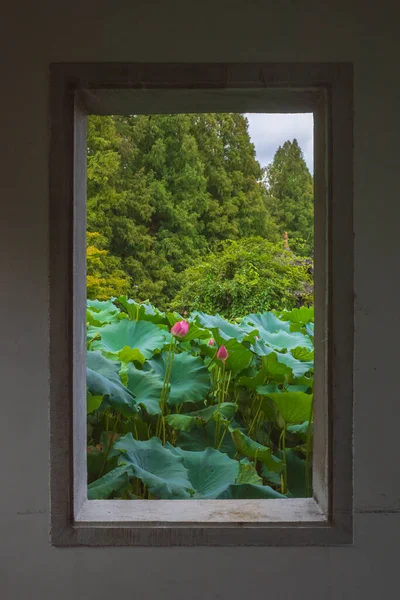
<point>268,131</point>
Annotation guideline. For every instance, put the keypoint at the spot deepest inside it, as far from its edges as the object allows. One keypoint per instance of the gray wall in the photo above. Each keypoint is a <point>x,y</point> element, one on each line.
<point>36,33</point>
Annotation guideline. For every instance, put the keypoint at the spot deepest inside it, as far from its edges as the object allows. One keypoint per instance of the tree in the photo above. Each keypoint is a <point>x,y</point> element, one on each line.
<point>290,197</point>
<point>245,276</point>
<point>104,278</point>
<point>164,189</point>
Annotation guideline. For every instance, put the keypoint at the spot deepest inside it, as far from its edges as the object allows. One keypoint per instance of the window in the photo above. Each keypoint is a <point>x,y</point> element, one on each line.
<point>324,90</point>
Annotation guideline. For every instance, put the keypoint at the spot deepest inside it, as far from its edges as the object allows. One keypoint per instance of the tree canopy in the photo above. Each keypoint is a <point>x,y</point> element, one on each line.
<point>165,190</point>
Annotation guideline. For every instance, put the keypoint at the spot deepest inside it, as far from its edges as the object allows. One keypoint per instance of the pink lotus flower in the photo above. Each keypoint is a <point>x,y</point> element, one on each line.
<point>211,342</point>
<point>222,353</point>
<point>180,329</point>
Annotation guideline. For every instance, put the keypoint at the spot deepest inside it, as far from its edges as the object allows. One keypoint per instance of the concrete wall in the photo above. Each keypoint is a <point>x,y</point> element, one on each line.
<point>36,33</point>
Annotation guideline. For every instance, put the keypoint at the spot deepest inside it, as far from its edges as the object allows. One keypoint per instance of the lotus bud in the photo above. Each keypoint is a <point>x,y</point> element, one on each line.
<point>211,342</point>
<point>222,353</point>
<point>180,329</point>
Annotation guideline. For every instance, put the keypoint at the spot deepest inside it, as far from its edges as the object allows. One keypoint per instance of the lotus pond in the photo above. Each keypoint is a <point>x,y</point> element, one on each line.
<point>196,406</point>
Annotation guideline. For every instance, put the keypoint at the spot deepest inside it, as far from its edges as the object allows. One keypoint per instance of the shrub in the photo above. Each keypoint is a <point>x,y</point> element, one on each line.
<point>248,275</point>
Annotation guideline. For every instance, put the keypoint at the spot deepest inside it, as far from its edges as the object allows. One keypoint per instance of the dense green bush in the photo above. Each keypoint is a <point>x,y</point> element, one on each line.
<point>198,408</point>
<point>248,275</point>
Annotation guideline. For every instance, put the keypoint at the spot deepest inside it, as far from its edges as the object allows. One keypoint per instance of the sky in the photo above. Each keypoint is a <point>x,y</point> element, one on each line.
<point>268,131</point>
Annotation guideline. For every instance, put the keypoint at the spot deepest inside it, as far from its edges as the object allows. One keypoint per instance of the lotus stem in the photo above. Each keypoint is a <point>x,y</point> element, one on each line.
<point>110,444</point>
<point>167,376</point>
<point>223,435</point>
<point>255,418</point>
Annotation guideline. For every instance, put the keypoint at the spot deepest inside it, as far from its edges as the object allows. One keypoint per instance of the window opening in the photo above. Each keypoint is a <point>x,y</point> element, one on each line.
<point>200,310</point>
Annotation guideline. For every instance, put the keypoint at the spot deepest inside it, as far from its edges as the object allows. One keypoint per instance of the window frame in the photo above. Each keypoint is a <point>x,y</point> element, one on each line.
<point>77,89</point>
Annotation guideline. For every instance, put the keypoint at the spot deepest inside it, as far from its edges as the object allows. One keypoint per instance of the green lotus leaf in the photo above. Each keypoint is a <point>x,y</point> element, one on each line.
<point>146,386</point>
<point>305,381</point>
<point>303,354</point>
<point>136,426</point>
<point>141,312</point>
<point>183,422</point>
<point>271,476</point>
<point>196,333</point>
<point>294,407</point>
<point>283,340</point>
<point>310,330</point>
<point>189,382</point>
<point>227,409</point>
<point>196,440</point>
<point>142,335</point>
<point>133,355</point>
<point>296,474</point>
<point>302,315</point>
<point>201,438</point>
<point>100,305</point>
<point>298,367</point>
<point>173,317</point>
<point>248,447</point>
<point>266,322</point>
<point>249,491</point>
<point>102,379</point>
<point>222,327</point>
<point>113,481</point>
<point>270,359</point>
<point>248,474</point>
<point>100,312</point>
<point>99,459</point>
<point>210,471</point>
<point>274,361</point>
<point>239,357</point>
<point>161,471</point>
<point>274,364</point>
<point>253,382</point>
<point>198,418</point>
<point>93,402</point>
<point>300,430</point>
<point>296,388</point>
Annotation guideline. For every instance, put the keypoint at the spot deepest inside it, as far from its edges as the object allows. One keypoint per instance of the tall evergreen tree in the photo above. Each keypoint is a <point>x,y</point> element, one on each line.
<point>290,197</point>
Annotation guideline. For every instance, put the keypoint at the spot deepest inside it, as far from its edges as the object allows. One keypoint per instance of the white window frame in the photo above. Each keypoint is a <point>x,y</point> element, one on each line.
<point>77,90</point>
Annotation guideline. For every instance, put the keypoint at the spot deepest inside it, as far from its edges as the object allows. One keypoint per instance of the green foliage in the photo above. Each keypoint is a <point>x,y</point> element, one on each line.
<point>103,380</point>
<point>248,275</point>
<point>162,191</point>
<point>114,338</point>
<point>161,471</point>
<point>105,276</point>
<point>178,213</point>
<point>290,197</point>
<point>168,419</point>
<point>189,380</point>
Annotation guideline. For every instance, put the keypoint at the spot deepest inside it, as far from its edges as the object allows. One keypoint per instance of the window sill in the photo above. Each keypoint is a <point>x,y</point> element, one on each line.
<point>294,522</point>
<point>181,513</point>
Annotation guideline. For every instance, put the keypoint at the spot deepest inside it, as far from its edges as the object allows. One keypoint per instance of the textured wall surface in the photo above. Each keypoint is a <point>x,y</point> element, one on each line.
<point>35,34</point>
